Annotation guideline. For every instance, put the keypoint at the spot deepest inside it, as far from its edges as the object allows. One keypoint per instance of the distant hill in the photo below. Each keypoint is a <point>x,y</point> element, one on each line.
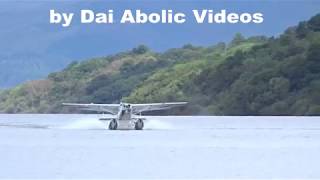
<point>248,76</point>
<point>24,67</point>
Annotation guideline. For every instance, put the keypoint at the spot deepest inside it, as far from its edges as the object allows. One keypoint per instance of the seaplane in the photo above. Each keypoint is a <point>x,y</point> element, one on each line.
<point>125,115</point>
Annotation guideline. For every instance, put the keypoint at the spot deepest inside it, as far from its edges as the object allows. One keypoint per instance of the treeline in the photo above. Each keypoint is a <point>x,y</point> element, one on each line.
<point>248,76</point>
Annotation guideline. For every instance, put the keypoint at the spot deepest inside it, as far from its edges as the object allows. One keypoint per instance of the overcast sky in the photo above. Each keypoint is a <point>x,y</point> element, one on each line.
<point>25,30</point>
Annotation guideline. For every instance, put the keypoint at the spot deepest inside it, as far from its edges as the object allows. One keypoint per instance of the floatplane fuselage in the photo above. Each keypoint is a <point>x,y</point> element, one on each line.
<point>126,116</point>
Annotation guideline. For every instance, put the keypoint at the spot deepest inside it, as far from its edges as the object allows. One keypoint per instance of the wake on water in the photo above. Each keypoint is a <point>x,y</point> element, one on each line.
<point>93,123</point>
<point>85,123</point>
<point>157,124</point>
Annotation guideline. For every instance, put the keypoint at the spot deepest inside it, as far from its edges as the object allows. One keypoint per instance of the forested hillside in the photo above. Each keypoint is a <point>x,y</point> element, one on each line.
<point>248,76</point>
<point>279,77</point>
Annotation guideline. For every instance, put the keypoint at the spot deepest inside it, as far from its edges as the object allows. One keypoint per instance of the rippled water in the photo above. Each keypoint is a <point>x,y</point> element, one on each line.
<point>79,146</point>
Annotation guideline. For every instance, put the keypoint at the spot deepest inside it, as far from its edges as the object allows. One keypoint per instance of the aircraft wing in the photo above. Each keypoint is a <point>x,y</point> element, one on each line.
<point>138,108</point>
<point>109,108</point>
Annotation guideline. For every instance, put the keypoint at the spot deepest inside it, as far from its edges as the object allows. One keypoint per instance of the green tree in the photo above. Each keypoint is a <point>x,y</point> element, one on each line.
<point>141,49</point>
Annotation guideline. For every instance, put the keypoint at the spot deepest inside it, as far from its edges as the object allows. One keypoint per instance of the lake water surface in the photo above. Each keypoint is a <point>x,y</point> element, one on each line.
<point>79,146</point>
